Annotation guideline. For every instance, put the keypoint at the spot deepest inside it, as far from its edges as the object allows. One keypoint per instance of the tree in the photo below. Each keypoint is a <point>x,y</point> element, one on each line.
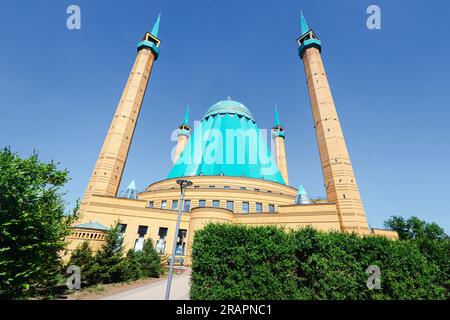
<point>415,228</point>
<point>149,261</point>
<point>33,223</point>
<point>82,257</point>
<point>109,265</point>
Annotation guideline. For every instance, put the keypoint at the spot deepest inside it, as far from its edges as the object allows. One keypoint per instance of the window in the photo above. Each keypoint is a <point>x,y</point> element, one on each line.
<point>216,203</point>
<point>139,243</point>
<point>150,204</point>
<point>212,187</point>
<point>161,243</point>
<point>243,188</point>
<point>230,205</point>
<point>196,187</point>
<point>245,207</point>
<point>142,230</point>
<point>257,189</point>
<point>181,243</point>
<point>122,227</point>
<point>174,204</point>
<point>226,187</point>
<point>258,207</point>
<point>187,205</point>
<point>202,203</point>
<point>163,204</point>
<point>271,208</point>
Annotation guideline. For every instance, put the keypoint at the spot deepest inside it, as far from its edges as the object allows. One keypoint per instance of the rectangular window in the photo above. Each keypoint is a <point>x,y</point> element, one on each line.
<point>202,203</point>
<point>257,189</point>
<point>142,230</point>
<point>174,204</point>
<point>181,243</point>
<point>212,187</point>
<point>230,205</point>
<point>163,204</point>
<point>216,203</point>
<point>243,188</point>
<point>139,243</point>
<point>227,187</point>
<point>187,205</point>
<point>258,207</point>
<point>271,208</point>
<point>245,207</point>
<point>161,242</point>
<point>122,227</point>
<point>150,204</point>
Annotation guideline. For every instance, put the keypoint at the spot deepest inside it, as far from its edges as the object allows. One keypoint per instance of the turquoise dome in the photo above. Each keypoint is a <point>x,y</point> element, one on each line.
<point>227,142</point>
<point>229,107</point>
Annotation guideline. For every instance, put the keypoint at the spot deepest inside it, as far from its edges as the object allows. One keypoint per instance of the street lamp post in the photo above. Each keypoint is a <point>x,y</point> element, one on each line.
<point>183,185</point>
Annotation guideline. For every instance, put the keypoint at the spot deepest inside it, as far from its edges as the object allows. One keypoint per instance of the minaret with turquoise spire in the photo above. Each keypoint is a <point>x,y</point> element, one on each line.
<point>340,182</point>
<point>184,133</point>
<point>280,149</point>
<point>107,174</point>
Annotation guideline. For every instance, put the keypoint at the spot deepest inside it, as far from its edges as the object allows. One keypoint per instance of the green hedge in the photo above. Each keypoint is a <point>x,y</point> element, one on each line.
<point>240,262</point>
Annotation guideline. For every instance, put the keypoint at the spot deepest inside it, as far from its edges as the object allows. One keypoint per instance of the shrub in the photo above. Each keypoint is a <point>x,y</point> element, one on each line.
<point>149,261</point>
<point>82,257</point>
<point>239,262</point>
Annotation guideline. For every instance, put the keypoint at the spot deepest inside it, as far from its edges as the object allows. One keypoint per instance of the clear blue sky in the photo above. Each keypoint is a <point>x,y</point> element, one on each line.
<point>59,88</point>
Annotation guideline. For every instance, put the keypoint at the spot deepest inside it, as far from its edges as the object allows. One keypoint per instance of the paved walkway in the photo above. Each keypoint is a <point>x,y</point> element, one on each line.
<point>157,290</point>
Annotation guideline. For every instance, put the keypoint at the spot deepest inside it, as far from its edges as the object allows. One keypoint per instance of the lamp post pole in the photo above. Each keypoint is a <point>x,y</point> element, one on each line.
<point>183,185</point>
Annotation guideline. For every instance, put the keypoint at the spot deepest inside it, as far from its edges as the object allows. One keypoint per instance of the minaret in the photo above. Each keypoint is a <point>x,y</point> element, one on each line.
<point>340,183</point>
<point>184,132</point>
<point>280,150</point>
<point>107,174</point>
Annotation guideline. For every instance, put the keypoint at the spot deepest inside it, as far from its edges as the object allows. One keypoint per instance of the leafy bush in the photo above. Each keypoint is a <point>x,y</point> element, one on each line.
<point>109,265</point>
<point>33,224</point>
<point>239,262</point>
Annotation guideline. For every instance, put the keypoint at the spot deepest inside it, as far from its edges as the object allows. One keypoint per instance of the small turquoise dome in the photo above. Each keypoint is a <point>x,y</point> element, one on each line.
<point>229,107</point>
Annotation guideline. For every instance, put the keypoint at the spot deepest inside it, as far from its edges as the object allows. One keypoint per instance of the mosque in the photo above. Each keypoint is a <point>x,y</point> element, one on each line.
<point>236,178</point>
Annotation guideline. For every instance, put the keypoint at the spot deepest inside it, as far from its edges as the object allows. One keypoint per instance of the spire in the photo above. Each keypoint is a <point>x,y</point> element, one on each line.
<point>304,24</point>
<point>186,117</point>
<point>131,191</point>
<point>277,118</point>
<point>302,196</point>
<point>155,28</point>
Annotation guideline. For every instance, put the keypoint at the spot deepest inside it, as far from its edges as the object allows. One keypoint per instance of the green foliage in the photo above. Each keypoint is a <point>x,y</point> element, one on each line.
<point>431,240</point>
<point>149,261</point>
<point>83,257</point>
<point>110,265</point>
<point>415,229</point>
<point>238,262</point>
<point>33,224</point>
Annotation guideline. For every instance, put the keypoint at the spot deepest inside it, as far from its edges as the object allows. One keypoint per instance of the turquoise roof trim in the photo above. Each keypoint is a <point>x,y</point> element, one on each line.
<point>227,142</point>
<point>278,134</point>
<point>149,45</point>
<point>307,44</point>
<point>184,132</point>
<point>91,225</point>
